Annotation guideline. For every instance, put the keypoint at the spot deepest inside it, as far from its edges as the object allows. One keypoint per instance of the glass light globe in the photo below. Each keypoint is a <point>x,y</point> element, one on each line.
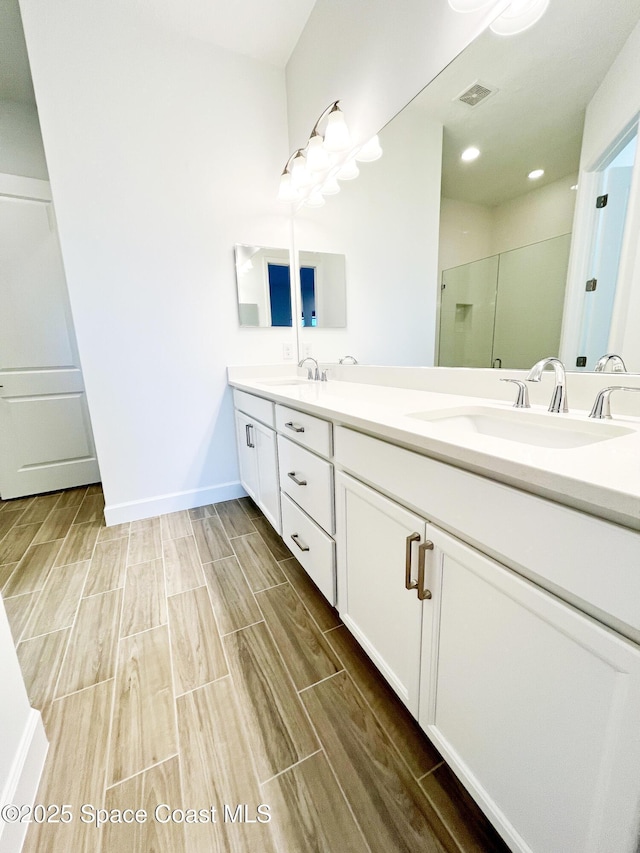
<point>336,135</point>
<point>370,151</point>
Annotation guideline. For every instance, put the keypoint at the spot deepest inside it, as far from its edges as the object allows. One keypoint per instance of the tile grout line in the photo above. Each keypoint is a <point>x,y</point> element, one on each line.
<point>429,772</point>
<point>366,701</point>
<point>75,616</point>
<point>322,680</point>
<point>116,669</point>
<point>176,724</point>
<point>332,770</point>
<point>277,775</point>
<point>140,772</point>
<point>243,628</point>
<point>375,715</point>
<point>24,639</point>
<point>249,751</point>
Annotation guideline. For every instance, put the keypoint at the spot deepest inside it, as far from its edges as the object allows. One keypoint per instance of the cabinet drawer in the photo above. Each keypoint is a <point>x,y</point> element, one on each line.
<point>256,407</point>
<point>308,480</point>
<point>311,546</point>
<point>304,429</point>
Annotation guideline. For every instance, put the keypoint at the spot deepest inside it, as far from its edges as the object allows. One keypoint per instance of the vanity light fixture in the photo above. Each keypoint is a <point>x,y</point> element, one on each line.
<point>517,17</point>
<point>314,171</point>
<point>537,173</point>
<point>470,154</point>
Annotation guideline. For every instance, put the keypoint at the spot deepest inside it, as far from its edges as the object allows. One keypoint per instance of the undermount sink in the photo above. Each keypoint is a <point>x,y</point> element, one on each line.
<point>283,381</point>
<point>522,426</point>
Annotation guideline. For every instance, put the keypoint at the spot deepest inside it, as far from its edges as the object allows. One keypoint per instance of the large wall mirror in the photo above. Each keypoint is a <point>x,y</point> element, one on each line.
<point>491,290</point>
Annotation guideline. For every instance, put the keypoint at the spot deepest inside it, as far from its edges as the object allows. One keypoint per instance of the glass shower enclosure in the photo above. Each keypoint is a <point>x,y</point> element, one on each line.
<point>504,310</point>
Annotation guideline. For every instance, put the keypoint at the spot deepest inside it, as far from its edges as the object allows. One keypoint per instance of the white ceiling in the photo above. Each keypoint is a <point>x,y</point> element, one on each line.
<point>267,31</point>
<point>545,78</point>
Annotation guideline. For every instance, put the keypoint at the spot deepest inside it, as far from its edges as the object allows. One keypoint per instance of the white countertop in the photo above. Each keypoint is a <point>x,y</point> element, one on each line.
<point>601,478</point>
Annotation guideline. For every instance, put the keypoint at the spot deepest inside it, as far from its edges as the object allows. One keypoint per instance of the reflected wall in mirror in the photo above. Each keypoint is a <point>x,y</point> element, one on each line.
<point>263,278</point>
<point>539,86</point>
<point>323,290</point>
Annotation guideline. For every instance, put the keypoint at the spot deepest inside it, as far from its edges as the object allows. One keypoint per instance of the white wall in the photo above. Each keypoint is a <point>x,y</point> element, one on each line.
<point>21,151</point>
<point>535,216</point>
<point>375,56</point>
<point>466,232</point>
<point>385,222</point>
<point>155,172</point>
<point>469,232</point>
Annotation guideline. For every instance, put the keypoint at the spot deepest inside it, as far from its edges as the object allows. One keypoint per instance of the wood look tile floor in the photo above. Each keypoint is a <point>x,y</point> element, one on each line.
<point>187,662</point>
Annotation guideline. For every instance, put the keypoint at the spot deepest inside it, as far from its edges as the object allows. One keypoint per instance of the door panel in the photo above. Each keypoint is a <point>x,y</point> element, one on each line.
<point>47,442</point>
<point>374,603</point>
<point>536,706</point>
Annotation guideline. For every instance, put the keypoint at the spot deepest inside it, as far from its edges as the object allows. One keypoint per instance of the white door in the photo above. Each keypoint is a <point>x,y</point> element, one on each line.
<point>378,543</point>
<point>46,442</point>
<point>269,483</point>
<point>247,459</point>
<point>258,462</point>
<point>534,705</point>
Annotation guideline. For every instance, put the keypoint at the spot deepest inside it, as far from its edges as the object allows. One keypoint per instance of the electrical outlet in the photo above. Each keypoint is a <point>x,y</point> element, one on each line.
<point>306,349</point>
<point>287,352</point>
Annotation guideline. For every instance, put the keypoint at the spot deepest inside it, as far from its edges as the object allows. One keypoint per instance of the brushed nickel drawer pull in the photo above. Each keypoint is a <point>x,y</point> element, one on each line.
<point>294,427</point>
<point>422,556</point>
<point>408,583</point>
<point>292,475</point>
<point>301,545</point>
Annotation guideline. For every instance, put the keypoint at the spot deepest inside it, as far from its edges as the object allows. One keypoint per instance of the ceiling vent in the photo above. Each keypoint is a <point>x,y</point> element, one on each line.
<point>476,94</point>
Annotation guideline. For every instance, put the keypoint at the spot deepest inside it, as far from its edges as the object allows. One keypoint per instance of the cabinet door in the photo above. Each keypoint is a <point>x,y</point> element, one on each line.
<point>247,458</point>
<point>373,535</point>
<point>534,705</point>
<point>268,484</point>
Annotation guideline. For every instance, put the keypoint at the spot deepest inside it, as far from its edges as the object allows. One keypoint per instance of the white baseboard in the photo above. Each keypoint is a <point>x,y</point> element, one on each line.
<point>21,787</point>
<point>162,504</point>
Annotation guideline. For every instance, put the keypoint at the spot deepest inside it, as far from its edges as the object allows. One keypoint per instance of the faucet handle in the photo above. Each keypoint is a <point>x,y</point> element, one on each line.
<point>602,405</point>
<point>325,376</point>
<point>522,400</point>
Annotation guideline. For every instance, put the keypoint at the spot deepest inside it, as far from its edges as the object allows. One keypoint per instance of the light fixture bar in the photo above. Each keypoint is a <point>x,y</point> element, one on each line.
<point>313,171</point>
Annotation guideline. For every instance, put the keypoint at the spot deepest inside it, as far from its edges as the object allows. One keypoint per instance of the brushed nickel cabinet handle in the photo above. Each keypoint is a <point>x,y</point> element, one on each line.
<point>248,434</point>
<point>422,556</point>
<point>301,545</point>
<point>408,583</point>
<point>294,427</point>
<point>292,475</point>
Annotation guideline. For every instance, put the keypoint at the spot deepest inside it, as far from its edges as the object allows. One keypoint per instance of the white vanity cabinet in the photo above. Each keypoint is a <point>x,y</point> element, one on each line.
<point>258,453</point>
<point>533,703</point>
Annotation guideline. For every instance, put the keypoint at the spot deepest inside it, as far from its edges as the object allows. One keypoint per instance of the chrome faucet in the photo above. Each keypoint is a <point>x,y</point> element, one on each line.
<point>311,374</point>
<point>613,359</point>
<point>602,405</point>
<point>559,397</point>
<point>344,358</point>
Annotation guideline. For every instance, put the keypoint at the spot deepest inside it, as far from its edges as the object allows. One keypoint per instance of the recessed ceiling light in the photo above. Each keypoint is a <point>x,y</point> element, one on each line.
<point>537,173</point>
<point>470,154</point>
<point>574,187</point>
